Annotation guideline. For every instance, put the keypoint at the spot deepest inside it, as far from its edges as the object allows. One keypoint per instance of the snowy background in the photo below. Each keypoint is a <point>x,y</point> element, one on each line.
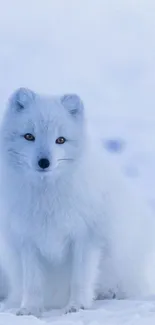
<point>103,50</point>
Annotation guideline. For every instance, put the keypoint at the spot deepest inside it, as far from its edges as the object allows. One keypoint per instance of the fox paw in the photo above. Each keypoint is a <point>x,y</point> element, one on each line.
<point>73,308</point>
<point>32,311</point>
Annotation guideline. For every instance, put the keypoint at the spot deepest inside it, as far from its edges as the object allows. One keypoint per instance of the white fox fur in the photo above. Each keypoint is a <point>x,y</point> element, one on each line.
<point>56,224</point>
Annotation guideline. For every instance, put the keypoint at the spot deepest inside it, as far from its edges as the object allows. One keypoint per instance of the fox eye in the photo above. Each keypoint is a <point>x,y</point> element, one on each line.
<point>60,140</point>
<point>29,137</point>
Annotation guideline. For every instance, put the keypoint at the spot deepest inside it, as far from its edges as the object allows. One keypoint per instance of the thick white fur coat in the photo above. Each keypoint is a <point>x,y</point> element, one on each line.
<point>75,230</point>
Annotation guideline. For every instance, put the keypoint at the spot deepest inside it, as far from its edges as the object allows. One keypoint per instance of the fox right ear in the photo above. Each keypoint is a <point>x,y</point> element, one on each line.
<point>73,104</point>
<point>21,98</point>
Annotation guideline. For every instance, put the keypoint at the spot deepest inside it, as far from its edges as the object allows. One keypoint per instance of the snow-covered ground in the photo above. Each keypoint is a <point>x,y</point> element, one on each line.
<point>105,51</point>
<point>108,313</point>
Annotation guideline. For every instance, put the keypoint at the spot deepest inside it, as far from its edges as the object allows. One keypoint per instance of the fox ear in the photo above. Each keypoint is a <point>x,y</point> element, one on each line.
<point>73,104</point>
<point>21,98</point>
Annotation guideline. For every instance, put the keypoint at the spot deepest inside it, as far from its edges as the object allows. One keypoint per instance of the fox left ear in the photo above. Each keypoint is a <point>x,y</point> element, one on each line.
<point>21,98</point>
<point>73,104</point>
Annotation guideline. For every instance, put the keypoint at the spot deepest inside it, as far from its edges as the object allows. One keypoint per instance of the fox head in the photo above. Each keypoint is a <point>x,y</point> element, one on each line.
<point>43,135</point>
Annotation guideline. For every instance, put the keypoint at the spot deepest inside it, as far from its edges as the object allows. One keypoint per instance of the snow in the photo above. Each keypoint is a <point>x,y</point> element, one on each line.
<point>103,50</point>
<point>114,312</point>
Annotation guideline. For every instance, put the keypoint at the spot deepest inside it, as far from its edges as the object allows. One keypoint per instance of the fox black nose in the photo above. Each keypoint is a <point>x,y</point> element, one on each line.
<point>43,163</point>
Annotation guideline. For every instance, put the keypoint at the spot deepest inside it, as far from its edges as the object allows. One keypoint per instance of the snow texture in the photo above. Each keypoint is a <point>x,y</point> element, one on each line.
<point>107,313</point>
<point>104,51</point>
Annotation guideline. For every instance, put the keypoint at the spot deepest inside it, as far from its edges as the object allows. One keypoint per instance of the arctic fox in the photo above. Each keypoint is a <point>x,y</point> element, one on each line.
<point>60,219</point>
<point>51,227</point>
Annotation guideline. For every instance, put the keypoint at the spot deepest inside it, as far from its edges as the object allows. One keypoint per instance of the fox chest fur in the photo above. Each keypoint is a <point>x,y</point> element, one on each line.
<point>50,217</point>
